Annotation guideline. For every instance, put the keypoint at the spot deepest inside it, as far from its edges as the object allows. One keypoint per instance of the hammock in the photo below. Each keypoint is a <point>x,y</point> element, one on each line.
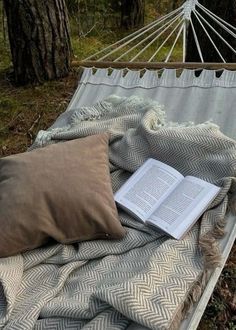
<point>207,96</point>
<point>185,96</point>
<point>143,48</point>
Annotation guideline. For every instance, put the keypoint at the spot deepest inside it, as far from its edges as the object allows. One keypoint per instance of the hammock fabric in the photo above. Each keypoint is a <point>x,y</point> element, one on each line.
<point>186,96</point>
<point>146,277</point>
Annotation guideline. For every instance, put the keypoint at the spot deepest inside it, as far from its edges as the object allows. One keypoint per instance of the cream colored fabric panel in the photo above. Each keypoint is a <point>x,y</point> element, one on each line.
<point>185,98</point>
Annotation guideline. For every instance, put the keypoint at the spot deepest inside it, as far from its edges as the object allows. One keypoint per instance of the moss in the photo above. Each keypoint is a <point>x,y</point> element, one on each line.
<point>6,104</point>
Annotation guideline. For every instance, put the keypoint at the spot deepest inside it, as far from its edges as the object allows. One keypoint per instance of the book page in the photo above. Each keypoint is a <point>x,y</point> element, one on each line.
<point>184,206</point>
<point>147,188</point>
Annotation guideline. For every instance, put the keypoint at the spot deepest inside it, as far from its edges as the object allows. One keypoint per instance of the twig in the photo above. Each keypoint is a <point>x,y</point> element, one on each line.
<point>30,130</point>
<point>35,122</point>
<point>90,30</point>
<point>19,133</point>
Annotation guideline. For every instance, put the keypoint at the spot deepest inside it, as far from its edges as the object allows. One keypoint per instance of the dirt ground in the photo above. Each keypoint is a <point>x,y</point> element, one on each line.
<point>26,110</point>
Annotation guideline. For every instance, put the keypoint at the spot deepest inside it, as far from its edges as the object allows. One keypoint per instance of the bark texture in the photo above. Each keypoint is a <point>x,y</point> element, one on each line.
<point>39,39</point>
<point>225,9</point>
<point>132,13</point>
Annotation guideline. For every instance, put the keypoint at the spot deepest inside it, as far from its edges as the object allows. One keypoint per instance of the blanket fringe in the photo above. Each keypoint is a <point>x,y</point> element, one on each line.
<point>210,246</point>
<point>192,297</point>
<point>209,242</point>
<point>212,258</point>
<point>232,204</point>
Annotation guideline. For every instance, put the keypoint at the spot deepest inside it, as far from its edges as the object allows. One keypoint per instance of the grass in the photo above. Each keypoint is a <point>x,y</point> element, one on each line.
<point>26,110</point>
<point>88,46</point>
<point>21,107</point>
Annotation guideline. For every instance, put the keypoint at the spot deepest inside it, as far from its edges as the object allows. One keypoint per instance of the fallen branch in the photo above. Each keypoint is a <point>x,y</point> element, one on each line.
<point>30,133</point>
<point>83,35</point>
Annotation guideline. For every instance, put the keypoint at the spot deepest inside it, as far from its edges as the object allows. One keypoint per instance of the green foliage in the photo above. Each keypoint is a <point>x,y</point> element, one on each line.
<point>95,25</point>
<point>84,47</point>
<point>232,325</point>
<point>90,16</point>
<point>95,29</point>
<point>6,104</point>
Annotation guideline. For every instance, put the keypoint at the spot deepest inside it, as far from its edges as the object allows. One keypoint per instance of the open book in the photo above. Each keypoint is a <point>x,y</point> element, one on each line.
<point>160,196</point>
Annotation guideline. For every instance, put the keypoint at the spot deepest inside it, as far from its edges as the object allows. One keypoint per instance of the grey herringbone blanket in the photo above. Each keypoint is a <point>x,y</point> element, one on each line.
<point>146,277</point>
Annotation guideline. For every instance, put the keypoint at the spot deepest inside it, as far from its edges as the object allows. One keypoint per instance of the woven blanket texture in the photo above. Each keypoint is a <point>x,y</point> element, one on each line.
<point>145,278</point>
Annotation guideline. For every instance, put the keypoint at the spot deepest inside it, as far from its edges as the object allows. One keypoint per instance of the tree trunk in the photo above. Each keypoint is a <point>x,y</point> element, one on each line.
<point>39,39</point>
<point>225,9</point>
<point>132,13</point>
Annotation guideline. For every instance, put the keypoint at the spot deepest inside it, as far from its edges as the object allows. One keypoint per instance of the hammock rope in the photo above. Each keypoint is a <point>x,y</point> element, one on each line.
<point>217,33</point>
<point>209,37</point>
<point>217,18</point>
<point>164,42</point>
<point>168,23</point>
<point>135,34</point>
<point>148,37</point>
<point>196,41</point>
<point>172,27</point>
<point>175,42</point>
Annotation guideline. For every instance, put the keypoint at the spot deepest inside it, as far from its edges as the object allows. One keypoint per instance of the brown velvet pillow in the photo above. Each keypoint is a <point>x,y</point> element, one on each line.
<point>62,191</point>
